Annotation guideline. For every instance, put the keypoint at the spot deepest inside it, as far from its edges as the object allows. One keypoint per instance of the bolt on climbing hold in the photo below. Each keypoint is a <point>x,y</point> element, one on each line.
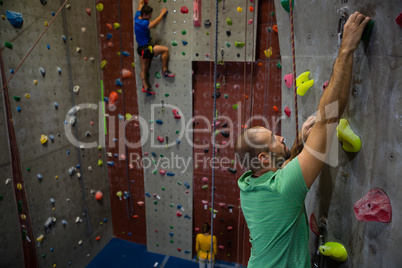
<point>76,89</point>
<point>250,21</point>
<point>229,21</point>
<point>374,206</point>
<point>43,139</point>
<point>287,111</point>
<point>279,65</point>
<point>42,71</point>
<point>398,20</point>
<point>116,25</point>
<point>334,250</point>
<point>118,82</point>
<point>251,9</point>
<point>99,7</point>
<point>239,44</point>
<point>15,18</point>
<point>303,83</point>
<point>8,45</point>
<point>324,87</point>
<point>235,106</point>
<point>288,80</point>
<point>367,30</point>
<point>268,52</point>
<point>286,6</point>
<point>350,141</point>
<point>174,43</point>
<point>239,9</point>
<point>184,9</point>
<point>183,32</point>
<point>103,64</point>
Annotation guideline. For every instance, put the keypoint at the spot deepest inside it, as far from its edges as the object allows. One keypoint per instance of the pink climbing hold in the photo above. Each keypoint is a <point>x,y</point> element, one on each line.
<point>399,20</point>
<point>324,87</point>
<point>197,229</point>
<point>184,10</point>
<point>230,228</point>
<point>162,171</point>
<point>287,111</point>
<point>314,225</point>
<point>374,206</point>
<point>160,139</point>
<point>221,247</point>
<point>204,179</point>
<point>288,80</point>
<point>250,22</point>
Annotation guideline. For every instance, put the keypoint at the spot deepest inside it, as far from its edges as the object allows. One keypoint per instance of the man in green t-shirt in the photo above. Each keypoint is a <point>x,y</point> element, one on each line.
<point>272,192</point>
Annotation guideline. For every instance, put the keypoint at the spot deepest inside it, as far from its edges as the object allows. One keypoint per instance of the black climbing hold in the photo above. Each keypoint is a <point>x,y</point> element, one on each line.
<point>229,242</point>
<point>367,30</point>
<point>196,54</point>
<point>232,170</point>
<point>228,33</point>
<point>238,55</point>
<point>218,94</point>
<point>207,23</point>
<point>225,125</point>
<point>206,150</point>
<point>225,134</point>
<point>43,2</point>
<point>221,219</point>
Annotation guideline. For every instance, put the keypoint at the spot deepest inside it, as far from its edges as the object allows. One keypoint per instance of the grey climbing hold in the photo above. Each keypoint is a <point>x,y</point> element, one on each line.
<point>207,23</point>
<point>15,18</point>
<point>42,71</point>
<point>232,170</point>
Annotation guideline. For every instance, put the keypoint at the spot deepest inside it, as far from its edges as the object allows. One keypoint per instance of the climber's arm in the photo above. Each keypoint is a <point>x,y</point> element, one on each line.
<point>158,20</point>
<point>141,4</point>
<point>333,101</point>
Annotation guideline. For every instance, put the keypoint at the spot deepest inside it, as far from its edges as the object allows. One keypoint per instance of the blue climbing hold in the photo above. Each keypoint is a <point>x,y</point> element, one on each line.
<point>15,18</point>
<point>12,71</point>
<point>147,194</point>
<point>51,137</point>
<point>179,206</point>
<point>39,176</point>
<point>171,234</point>
<point>159,122</point>
<point>154,154</point>
<point>184,43</point>
<point>106,99</point>
<point>64,38</point>
<point>116,155</point>
<point>42,71</point>
<point>125,53</point>
<point>118,82</point>
<point>56,105</point>
<point>108,36</point>
<point>19,109</point>
<point>110,163</point>
<point>187,185</point>
<point>53,13</point>
<point>177,141</point>
<point>68,151</point>
<point>48,46</point>
<point>78,166</point>
<point>170,174</point>
<point>114,140</point>
<point>120,117</point>
<point>187,252</point>
<point>187,217</point>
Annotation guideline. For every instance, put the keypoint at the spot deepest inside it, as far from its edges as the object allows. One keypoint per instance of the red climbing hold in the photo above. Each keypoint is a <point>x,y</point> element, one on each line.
<point>374,206</point>
<point>178,214</point>
<point>176,114</point>
<point>288,80</point>
<point>112,98</point>
<point>324,87</point>
<point>109,26</point>
<point>160,139</point>
<point>88,11</point>
<point>287,111</point>
<point>314,225</point>
<point>162,172</point>
<point>184,9</point>
<point>179,249</point>
<point>97,238</point>
<point>399,20</point>
<point>275,108</point>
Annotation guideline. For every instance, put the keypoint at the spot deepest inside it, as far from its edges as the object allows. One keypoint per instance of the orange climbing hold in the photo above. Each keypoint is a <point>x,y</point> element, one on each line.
<point>275,108</point>
<point>126,73</point>
<point>97,238</point>
<point>109,26</point>
<point>135,216</point>
<point>98,195</point>
<point>112,98</point>
<point>260,64</point>
<point>275,28</point>
<point>251,9</point>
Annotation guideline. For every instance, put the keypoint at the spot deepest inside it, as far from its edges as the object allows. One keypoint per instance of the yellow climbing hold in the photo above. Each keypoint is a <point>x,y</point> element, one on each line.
<point>116,25</point>
<point>35,82</point>
<point>40,238</point>
<point>27,96</point>
<point>239,9</point>
<point>103,64</point>
<point>303,83</point>
<point>100,162</point>
<point>46,24</point>
<point>99,7</point>
<point>350,141</point>
<point>268,52</point>
<point>43,139</point>
<point>334,250</point>
<point>128,116</point>
<point>19,186</point>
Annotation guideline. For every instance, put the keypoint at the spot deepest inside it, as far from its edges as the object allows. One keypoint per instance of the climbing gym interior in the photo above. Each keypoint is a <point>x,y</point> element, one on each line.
<point>95,172</point>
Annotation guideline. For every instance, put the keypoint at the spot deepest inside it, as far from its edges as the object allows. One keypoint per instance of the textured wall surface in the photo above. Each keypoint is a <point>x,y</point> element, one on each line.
<point>72,195</point>
<point>373,113</point>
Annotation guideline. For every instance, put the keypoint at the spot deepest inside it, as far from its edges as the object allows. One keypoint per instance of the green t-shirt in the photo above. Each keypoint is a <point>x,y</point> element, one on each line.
<point>273,206</point>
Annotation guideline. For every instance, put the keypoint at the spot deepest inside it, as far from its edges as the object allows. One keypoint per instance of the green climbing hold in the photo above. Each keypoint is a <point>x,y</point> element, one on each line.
<point>163,188</point>
<point>207,33</point>
<point>43,256</point>
<point>183,53</point>
<point>205,187</point>
<point>156,202</point>
<point>171,241</point>
<point>367,30</point>
<point>174,43</point>
<point>226,96</point>
<point>272,14</point>
<point>279,65</point>
<point>285,5</point>
<point>17,98</point>
<point>161,155</point>
<point>232,162</point>
<point>235,106</point>
<point>197,140</point>
<point>151,121</point>
<point>171,205</point>
<point>171,226</point>
<point>103,64</point>
<point>154,172</point>
<point>239,44</point>
<point>157,75</point>
<point>183,32</point>
<point>8,44</point>
<point>179,183</point>
<point>128,116</point>
<point>177,131</point>
<point>164,1</point>
<point>218,85</point>
<point>167,94</point>
<point>269,29</point>
<point>157,245</point>
<point>154,162</point>
<point>227,44</point>
<point>133,64</point>
<point>19,206</point>
<point>216,132</point>
<point>229,21</point>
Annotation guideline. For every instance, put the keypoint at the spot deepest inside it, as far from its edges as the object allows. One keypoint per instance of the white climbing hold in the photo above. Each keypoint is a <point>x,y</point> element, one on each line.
<point>78,49</point>
<point>76,89</point>
<point>8,181</point>
<point>83,29</point>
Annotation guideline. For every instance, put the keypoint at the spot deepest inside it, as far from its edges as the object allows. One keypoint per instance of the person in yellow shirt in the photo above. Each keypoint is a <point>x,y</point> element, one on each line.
<point>203,247</point>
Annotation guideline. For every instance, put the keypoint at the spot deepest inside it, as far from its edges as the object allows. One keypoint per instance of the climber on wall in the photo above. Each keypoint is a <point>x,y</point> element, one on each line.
<point>203,247</point>
<point>146,50</point>
<point>272,196</point>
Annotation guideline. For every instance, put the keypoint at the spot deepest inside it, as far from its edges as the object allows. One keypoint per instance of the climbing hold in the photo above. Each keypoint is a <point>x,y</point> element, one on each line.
<point>17,98</point>
<point>99,7</point>
<point>126,73</point>
<point>159,122</point>
<point>160,139</point>
<point>235,106</point>
<point>367,30</point>
<point>178,214</point>
<point>116,25</point>
<point>374,206</point>
<point>125,53</point>
<point>232,170</point>
<point>59,70</point>
<point>229,21</point>
<point>279,65</point>
<point>286,6</point>
<point>287,111</point>
<point>183,32</point>
<point>98,195</point>
<point>112,98</point>
<point>275,28</point>
<point>229,228</point>
<point>288,80</point>
<point>88,10</point>
<point>399,20</point>
<point>15,18</point>
<point>225,134</point>
<point>251,9</point>
<point>324,87</point>
<point>227,44</point>
<point>184,10</point>
<point>250,21</point>
<point>217,95</point>
<point>118,82</point>
<point>109,26</point>
<point>334,250</point>
<point>314,225</point>
<point>170,174</point>
<point>275,108</point>
<point>303,83</point>
<point>239,9</point>
<point>76,89</point>
<point>239,44</point>
<point>350,141</point>
<point>176,114</point>
<point>8,44</point>
<point>100,162</point>
<point>103,64</point>
<point>174,43</point>
<point>109,36</point>
<point>218,85</point>
<point>42,71</point>
<point>207,23</point>
<point>268,52</point>
<point>184,43</point>
<point>43,139</point>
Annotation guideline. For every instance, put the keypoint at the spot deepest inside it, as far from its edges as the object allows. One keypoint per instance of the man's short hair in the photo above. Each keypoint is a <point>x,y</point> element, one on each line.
<point>146,10</point>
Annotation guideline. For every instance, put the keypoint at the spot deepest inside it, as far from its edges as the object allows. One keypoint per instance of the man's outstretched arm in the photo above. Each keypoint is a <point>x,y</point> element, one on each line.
<point>336,94</point>
<point>141,4</point>
<point>158,20</point>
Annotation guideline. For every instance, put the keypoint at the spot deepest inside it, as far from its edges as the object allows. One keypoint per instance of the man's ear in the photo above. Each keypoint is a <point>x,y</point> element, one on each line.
<point>264,158</point>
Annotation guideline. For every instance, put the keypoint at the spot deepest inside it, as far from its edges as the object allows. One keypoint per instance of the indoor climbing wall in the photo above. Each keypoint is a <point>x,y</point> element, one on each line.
<point>237,30</point>
<point>55,107</point>
<point>373,114</point>
<point>167,146</point>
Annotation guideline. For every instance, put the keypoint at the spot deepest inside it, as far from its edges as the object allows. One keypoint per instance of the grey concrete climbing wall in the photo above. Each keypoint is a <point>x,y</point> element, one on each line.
<point>60,178</point>
<point>168,164</point>
<point>373,113</point>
